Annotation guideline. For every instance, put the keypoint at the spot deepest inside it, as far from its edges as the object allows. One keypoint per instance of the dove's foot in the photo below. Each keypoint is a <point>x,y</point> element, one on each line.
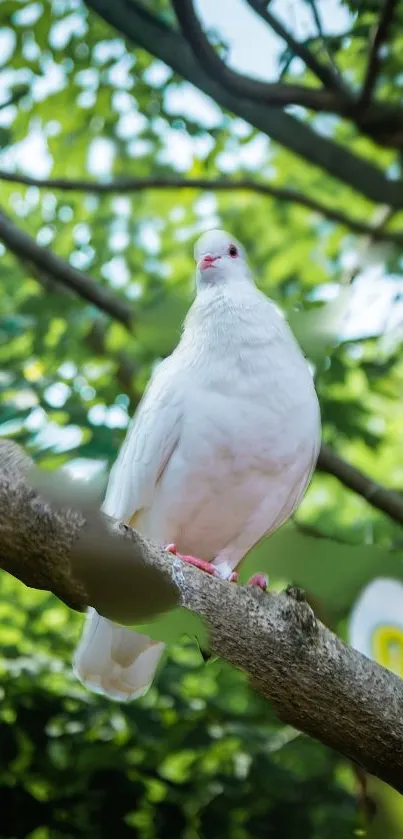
<point>193,560</point>
<point>208,567</point>
<point>259,580</point>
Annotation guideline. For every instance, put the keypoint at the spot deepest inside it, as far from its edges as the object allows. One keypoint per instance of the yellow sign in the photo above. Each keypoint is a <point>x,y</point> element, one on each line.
<point>376,623</point>
<point>387,648</point>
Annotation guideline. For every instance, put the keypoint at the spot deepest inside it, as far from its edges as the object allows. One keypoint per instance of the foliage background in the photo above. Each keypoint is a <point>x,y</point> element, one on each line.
<point>201,755</point>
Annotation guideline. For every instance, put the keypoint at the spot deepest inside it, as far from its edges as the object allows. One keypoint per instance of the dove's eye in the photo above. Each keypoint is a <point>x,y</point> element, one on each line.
<point>233,251</point>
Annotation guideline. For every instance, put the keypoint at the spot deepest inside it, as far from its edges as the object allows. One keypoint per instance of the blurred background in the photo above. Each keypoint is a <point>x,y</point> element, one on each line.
<point>100,141</point>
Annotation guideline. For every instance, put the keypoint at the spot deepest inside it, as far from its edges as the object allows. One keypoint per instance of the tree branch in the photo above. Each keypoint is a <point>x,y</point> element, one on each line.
<point>378,496</point>
<point>23,246</point>
<point>151,33</point>
<point>380,121</point>
<point>374,60</point>
<point>125,368</point>
<point>324,73</point>
<point>277,94</point>
<point>315,682</point>
<point>133,184</point>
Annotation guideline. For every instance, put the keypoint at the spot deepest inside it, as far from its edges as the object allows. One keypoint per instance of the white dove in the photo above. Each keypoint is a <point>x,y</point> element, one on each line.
<point>219,454</point>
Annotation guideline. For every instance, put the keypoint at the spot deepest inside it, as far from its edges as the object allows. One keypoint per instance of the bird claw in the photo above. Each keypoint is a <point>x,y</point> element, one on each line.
<point>259,580</point>
<point>208,567</point>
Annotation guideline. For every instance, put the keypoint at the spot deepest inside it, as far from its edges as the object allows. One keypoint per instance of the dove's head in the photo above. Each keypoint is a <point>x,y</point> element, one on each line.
<point>220,259</point>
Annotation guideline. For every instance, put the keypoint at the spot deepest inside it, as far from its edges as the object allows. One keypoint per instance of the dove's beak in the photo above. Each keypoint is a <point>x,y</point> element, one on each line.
<point>207,261</point>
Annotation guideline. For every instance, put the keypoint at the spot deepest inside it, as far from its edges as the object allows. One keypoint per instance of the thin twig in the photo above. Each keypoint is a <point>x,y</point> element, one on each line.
<point>315,533</point>
<point>378,496</point>
<point>133,184</point>
<point>324,42</point>
<point>374,61</point>
<point>381,217</point>
<point>329,78</point>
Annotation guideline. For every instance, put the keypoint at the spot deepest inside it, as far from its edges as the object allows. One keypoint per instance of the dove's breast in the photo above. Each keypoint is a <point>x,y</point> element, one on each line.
<point>249,437</point>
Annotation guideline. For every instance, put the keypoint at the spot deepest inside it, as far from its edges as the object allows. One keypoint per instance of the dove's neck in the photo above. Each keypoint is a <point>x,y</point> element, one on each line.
<point>235,340</point>
<point>229,318</point>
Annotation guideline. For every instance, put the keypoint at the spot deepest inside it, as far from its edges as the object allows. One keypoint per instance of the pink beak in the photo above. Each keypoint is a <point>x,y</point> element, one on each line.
<point>207,262</point>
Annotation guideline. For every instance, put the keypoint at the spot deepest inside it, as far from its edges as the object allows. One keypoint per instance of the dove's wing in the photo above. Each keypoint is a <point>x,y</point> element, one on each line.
<point>149,445</point>
<point>113,659</point>
<point>297,492</point>
<point>295,497</point>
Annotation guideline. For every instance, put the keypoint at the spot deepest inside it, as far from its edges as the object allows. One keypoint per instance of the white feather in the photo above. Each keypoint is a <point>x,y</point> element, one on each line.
<point>116,661</point>
<point>111,659</point>
<point>149,444</point>
<point>220,452</point>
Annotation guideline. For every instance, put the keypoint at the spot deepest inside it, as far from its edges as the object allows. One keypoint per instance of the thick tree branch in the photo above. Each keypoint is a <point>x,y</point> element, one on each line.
<point>381,121</point>
<point>150,32</point>
<point>315,682</point>
<point>277,94</point>
<point>23,246</point>
<point>133,184</point>
<point>374,60</point>
<point>378,496</point>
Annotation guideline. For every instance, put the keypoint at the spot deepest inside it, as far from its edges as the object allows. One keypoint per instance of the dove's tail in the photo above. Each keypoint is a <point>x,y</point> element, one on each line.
<point>115,661</point>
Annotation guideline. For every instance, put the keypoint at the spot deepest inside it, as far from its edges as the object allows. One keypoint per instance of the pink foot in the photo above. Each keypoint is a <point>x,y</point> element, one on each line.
<point>193,560</point>
<point>259,580</point>
<point>208,567</point>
